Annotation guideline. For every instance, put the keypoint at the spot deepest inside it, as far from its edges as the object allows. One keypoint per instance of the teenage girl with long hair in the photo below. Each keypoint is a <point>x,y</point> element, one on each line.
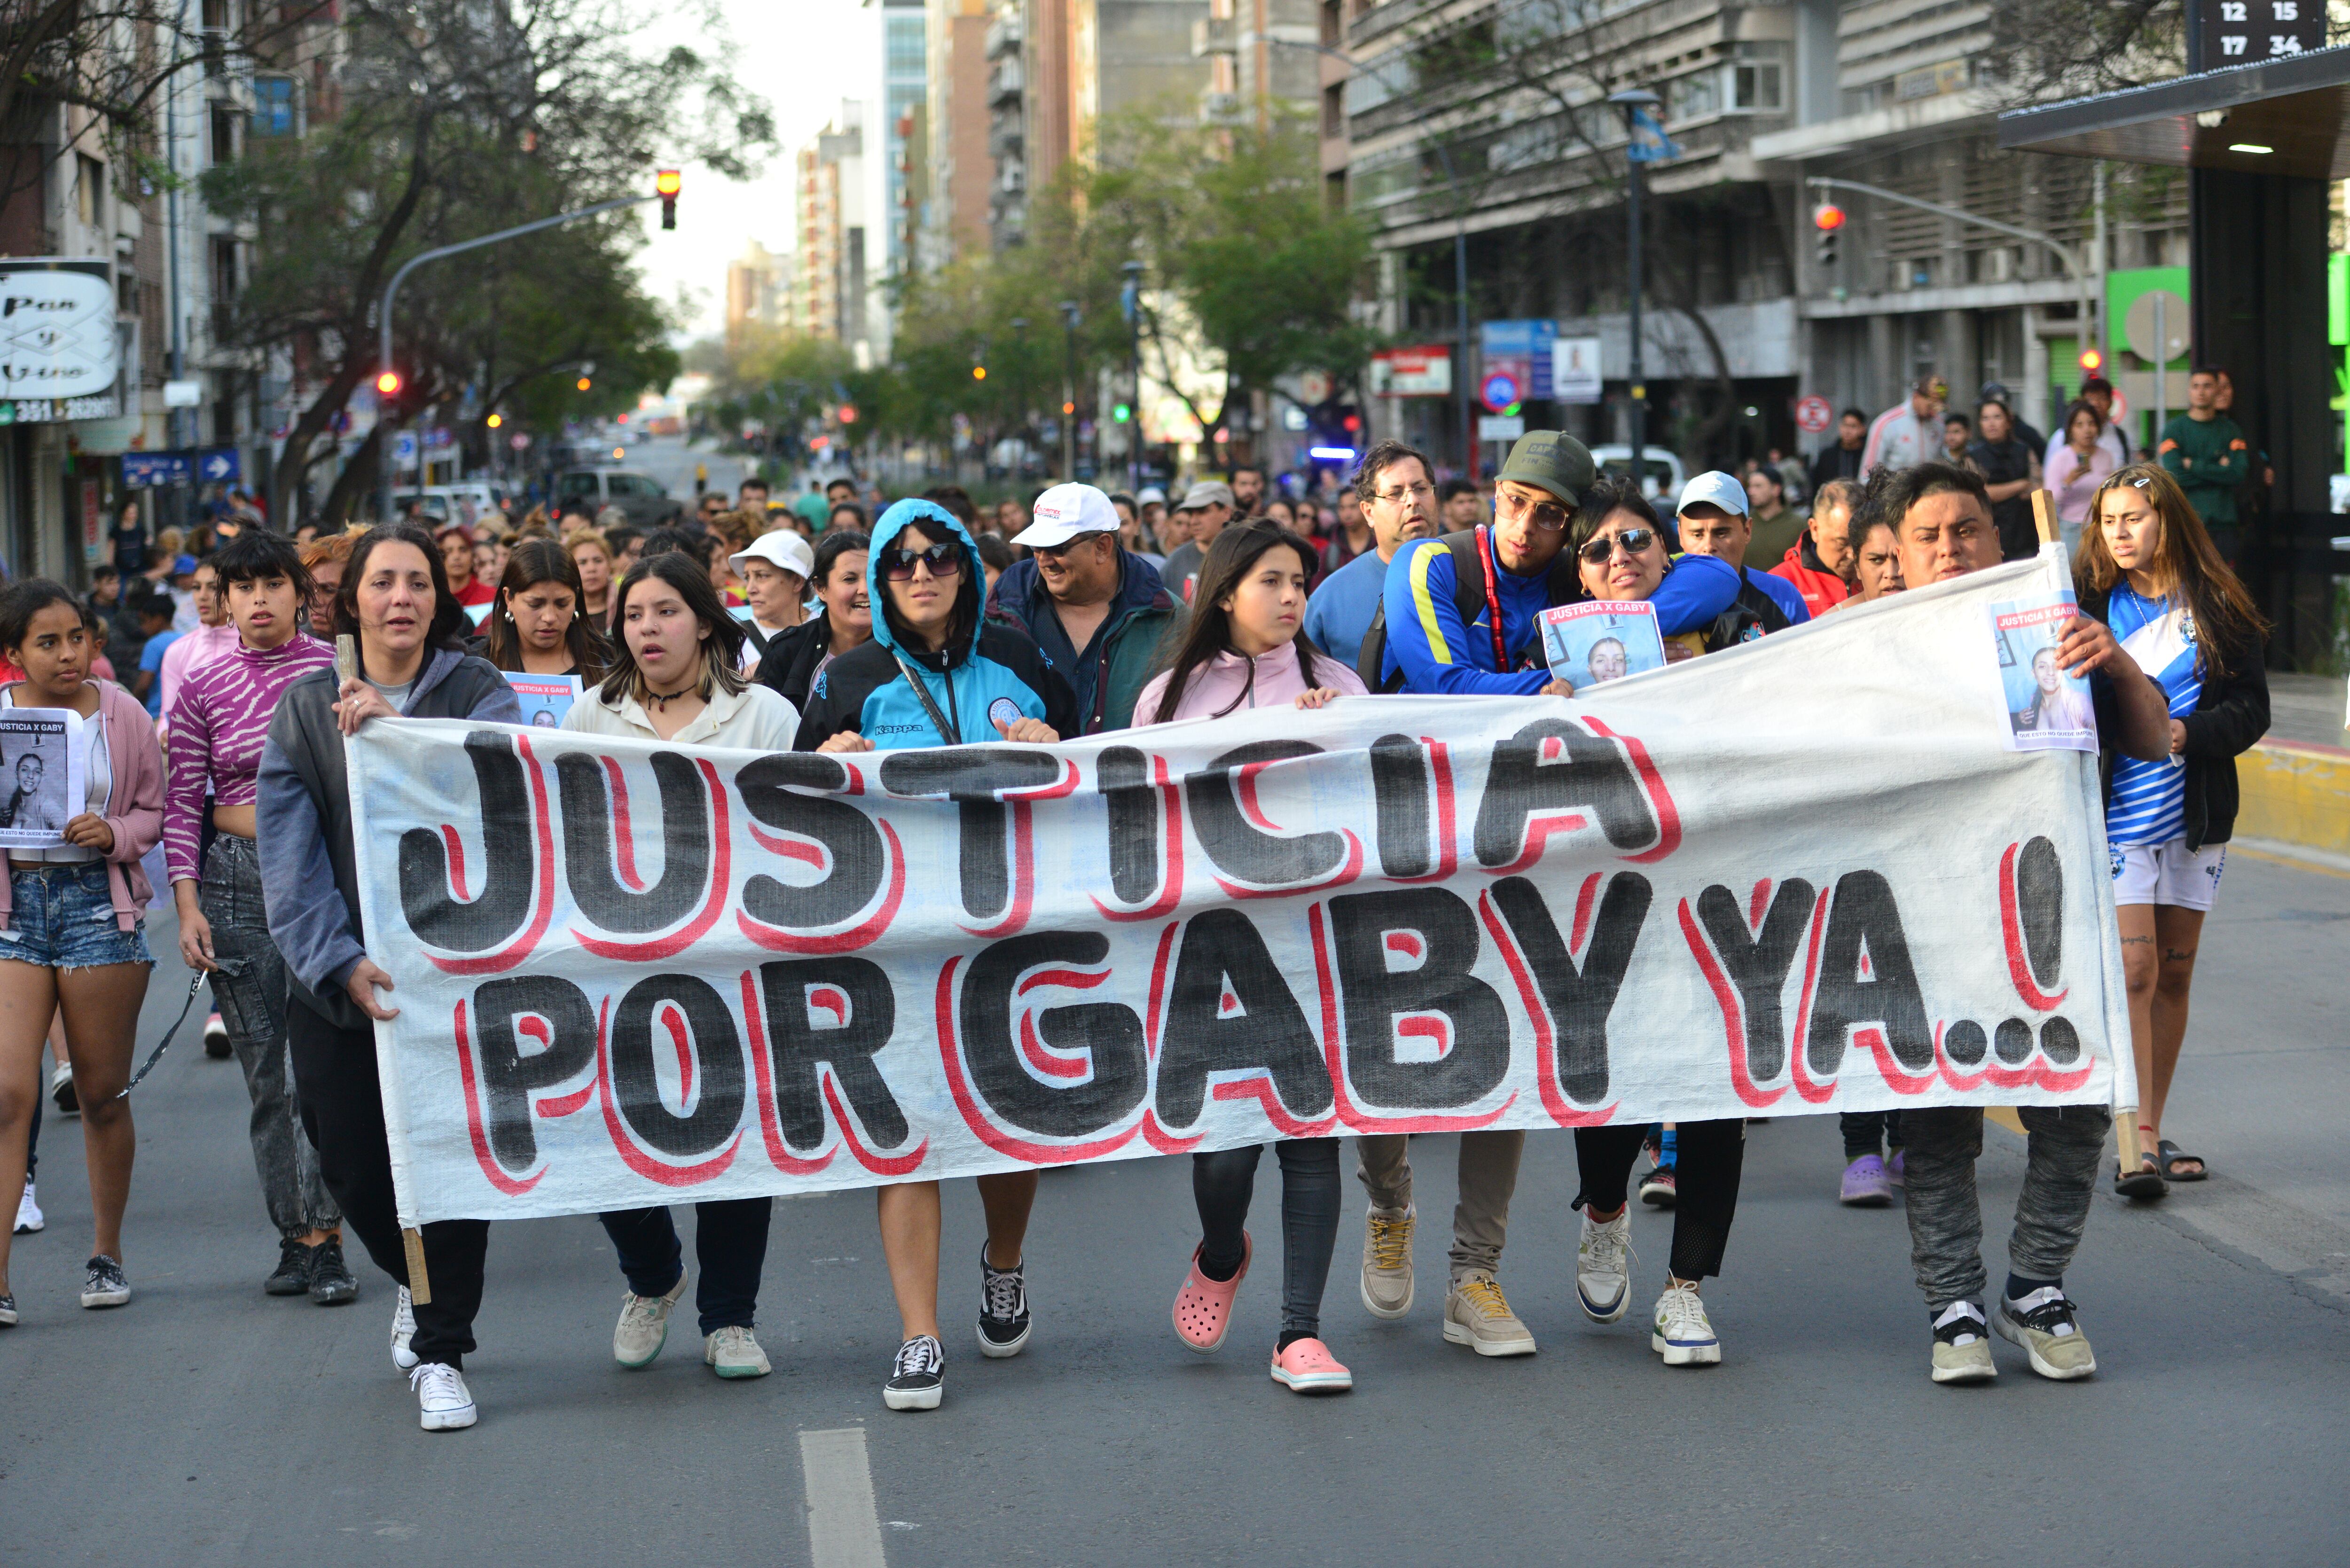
<point>2147,567</point>
<point>540,625</point>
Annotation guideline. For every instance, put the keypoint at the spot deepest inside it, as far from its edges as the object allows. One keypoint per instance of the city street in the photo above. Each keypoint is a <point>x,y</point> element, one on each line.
<point>208,1424</point>
<point>670,461</point>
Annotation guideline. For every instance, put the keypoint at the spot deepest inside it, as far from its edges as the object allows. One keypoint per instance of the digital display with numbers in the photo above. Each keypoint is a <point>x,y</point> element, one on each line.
<point>2238,32</point>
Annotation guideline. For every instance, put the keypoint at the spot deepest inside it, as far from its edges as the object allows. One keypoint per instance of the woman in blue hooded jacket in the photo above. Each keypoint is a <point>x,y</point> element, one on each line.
<point>937,673</point>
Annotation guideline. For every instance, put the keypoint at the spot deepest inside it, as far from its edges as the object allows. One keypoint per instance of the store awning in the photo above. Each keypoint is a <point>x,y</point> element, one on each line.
<point>2289,116</point>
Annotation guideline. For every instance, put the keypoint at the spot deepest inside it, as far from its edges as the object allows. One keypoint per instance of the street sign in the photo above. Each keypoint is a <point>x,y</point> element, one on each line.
<point>1501,427</point>
<point>1813,413</point>
<point>403,447</point>
<point>142,471</point>
<point>1520,349</point>
<point>1501,390</point>
<point>1574,369</point>
<point>2237,32</point>
<point>2155,327</point>
<point>220,465</point>
<point>1425,372</point>
<point>57,336</point>
<point>519,441</point>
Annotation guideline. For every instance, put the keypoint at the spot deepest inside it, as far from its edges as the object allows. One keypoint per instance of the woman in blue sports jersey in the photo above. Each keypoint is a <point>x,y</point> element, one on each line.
<point>2147,569</point>
<point>936,673</point>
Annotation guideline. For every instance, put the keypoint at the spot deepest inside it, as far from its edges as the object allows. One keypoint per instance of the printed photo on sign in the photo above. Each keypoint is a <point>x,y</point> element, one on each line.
<point>42,776</point>
<point>2047,709</point>
<point>1591,644</point>
<point>544,698</point>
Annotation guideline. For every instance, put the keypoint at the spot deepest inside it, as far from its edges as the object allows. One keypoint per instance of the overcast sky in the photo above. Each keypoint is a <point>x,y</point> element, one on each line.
<point>805,56</point>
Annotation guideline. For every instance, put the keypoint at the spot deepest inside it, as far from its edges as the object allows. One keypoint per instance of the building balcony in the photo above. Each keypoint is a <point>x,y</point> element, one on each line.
<point>1215,36</point>
<point>1003,36</point>
<point>1008,81</point>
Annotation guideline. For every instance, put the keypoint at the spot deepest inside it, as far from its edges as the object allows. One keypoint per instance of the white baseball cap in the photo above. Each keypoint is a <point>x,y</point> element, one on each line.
<point>779,547</point>
<point>1715,489</point>
<point>1150,495</point>
<point>1062,512</point>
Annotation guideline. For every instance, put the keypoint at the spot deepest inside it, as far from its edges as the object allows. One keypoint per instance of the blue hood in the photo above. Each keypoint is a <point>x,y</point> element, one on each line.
<point>934,520</point>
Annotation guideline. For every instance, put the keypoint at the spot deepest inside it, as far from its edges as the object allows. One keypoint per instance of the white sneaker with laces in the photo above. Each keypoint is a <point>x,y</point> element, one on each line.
<point>1683,1335</point>
<point>643,1327</point>
<point>444,1402</point>
<point>1603,1280</point>
<point>734,1352</point>
<point>403,1329</point>
<point>30,1218</point>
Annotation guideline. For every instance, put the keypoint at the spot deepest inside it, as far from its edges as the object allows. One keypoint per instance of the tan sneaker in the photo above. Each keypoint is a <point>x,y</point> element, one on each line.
<point>2045,1324</point>
<point>1387,1262</point>
<point>1478,1315</point>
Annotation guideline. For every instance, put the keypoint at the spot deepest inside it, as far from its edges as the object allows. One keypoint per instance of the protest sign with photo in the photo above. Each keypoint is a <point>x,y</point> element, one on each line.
<point>1595,641</point>
<point>632,973</point>
<point>2046,708</point>
<point>43,776</point>
<point>544,698</point>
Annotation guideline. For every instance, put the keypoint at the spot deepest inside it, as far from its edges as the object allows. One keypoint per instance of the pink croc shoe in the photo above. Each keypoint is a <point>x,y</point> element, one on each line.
<point>1308,1368</point>
<point>1203,1307</point>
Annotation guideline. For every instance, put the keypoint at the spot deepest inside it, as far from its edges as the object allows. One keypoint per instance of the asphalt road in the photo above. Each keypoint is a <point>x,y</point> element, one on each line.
<point>670,461</point>
<point>208,1424</point>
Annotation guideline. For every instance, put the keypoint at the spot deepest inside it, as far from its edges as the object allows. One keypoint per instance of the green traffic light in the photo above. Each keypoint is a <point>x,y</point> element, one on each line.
<point>1121,413</point>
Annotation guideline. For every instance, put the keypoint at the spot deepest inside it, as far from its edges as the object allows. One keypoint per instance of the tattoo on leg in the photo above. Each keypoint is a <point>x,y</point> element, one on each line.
<point>2138,941</point>
<point>2179,955</point>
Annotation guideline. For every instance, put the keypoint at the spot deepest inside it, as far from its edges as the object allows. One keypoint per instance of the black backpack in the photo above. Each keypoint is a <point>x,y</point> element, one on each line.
<point>1471,567</point>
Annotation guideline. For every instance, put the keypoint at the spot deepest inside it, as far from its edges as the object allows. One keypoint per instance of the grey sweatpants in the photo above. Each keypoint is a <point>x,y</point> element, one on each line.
<point>250,986</point>
<point>2066,1145</point>
<point>1488,1176</point>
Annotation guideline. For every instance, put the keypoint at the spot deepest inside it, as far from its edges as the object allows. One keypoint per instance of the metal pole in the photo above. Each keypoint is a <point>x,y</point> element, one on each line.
<point>1633,367</point>
<point>179,306</point>
<point>1460,305</point>
<point>1068,390</point>
<point>1133,271</point>
<point>391,293</point>
<point>2162,372</point>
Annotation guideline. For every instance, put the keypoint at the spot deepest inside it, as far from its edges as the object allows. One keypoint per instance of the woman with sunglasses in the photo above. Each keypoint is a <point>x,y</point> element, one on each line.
<point>1242,650</point>
<point>540,625</point>
<point>1620,558</point>
<point>937,673</point>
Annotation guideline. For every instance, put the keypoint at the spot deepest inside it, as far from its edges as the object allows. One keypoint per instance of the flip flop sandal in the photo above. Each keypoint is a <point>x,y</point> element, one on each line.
<point>2143,1182</point>
<point>2171,1155</point>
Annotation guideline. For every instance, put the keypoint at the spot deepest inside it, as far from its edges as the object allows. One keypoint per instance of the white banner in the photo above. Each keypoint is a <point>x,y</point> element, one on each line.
<point>1807,875</point>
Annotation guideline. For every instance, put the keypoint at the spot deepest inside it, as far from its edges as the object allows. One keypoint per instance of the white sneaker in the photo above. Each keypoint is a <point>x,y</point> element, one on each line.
<point>643,1327</point>
<point>403,1329</point>
<point>734,1352</point>
<point>444,1402</point>
<point>1683,1335</point>
<point>29,1213</point>
<point>62,1091</point>
<point>1603,1280</point>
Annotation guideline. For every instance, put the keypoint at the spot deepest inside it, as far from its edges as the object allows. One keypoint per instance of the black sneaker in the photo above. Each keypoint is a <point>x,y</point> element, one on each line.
<point>1002,1307</point>
<point>61,1090</point>
<point>1660,1187</point>
<point>918,1377</point>
<point>7,1311</point>
<point>331,1282</point>
<point>103,1285</point>
<point>292,1275</point>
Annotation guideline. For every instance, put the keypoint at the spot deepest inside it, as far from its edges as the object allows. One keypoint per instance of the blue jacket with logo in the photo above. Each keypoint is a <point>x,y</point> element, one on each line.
<point>989,666</point>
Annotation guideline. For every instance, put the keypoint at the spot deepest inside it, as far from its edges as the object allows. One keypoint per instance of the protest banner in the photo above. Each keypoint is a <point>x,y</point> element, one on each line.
<point>1809,874</point>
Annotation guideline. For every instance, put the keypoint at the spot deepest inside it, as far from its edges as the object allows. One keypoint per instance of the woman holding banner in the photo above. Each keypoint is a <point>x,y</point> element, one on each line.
<point>937,672</point>
<point>220,719</point>
<point>676,676</point>
<point>1620,556</point>
<point>2150,572</point>
<point>409,629</point>
<point>1241,650</point>
<point>540,624</point>
<point>70,926</point>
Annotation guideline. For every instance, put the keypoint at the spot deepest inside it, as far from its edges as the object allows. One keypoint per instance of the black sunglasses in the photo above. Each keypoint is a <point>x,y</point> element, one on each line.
<point>1596,551</point>
<point>944,561</point>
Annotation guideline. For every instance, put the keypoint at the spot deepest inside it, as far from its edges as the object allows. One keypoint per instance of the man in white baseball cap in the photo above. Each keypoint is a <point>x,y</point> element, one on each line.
<point>1095,607</point>
<point>1715,521</point>
<point>775,571</point>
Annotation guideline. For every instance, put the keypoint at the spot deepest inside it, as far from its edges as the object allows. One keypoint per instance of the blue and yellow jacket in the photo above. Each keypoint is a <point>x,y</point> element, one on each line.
<point>990,665</point>
<point>1435,652</point>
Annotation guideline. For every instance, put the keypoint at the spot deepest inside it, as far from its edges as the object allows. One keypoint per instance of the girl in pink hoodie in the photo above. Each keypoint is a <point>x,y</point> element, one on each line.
<point>1242,650</point>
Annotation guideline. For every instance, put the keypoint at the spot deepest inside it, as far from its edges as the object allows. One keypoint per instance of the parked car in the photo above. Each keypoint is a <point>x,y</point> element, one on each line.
<point>1662,473</point>
<point>639,495</point>
<point>467,501</point>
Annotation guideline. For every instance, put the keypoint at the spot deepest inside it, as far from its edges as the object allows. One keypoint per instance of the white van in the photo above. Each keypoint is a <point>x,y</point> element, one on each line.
<point>1662,473</point>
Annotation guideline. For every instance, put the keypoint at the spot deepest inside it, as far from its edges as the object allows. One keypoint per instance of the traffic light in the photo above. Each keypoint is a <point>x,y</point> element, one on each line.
<point>666,184</point>
<point>585,383</point>
<point>1122,412</point>
<point>979,372</point>
<point>1828,219</point>
<point>495,420</point>
<point>2093,362</point>
<point>387,383</point>
<point>1068,408</point>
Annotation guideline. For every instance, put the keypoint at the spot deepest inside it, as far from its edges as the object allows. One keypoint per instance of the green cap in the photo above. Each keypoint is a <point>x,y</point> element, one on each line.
<point>1550,461</point>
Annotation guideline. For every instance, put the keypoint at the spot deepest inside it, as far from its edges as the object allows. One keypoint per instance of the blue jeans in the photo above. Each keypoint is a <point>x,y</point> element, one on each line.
<point>64,918</point>
<point>729,1243</point>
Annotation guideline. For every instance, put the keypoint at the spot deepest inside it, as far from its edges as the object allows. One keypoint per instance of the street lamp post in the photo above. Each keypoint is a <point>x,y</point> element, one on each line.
<point>1632,102</point>
<point>1070,317</point>
<point>1130,298</point>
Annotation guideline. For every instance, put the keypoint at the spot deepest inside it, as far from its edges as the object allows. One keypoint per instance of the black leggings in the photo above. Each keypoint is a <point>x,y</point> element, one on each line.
<point>1713,1156</point>
<point>1869,1132</point>
<point>1221,1184</point>
<point>342,1112</point>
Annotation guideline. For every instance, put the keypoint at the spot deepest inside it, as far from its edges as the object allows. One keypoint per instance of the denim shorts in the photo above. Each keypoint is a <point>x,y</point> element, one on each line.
<point>64,920</point>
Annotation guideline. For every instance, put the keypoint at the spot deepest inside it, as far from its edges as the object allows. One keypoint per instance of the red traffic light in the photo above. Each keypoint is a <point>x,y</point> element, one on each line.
<point>1827,217</point>
<point>387,383</point>
<point>666,182</point>
<point>2092,360</point>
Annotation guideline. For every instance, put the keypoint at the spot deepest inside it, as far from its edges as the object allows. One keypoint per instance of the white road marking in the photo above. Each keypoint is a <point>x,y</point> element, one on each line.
<point>844,1527</point>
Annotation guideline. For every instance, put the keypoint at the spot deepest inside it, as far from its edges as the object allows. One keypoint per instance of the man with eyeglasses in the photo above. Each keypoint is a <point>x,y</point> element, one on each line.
<point>1398,500</point>
<point>1097,608</point>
